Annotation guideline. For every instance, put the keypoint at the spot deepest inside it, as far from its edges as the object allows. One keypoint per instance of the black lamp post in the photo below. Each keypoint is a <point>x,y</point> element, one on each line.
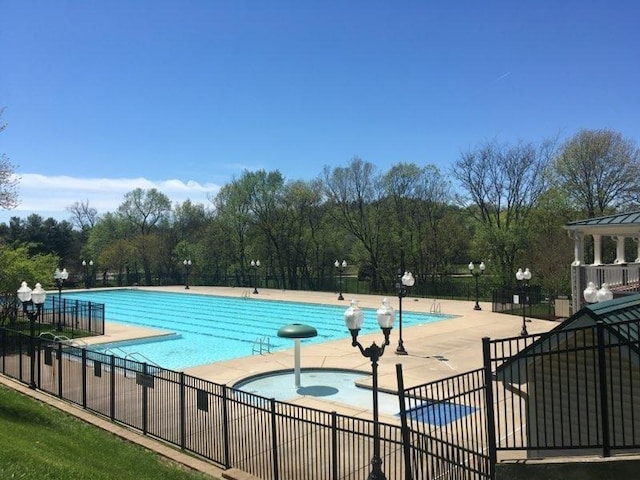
<point>59,277</point>
<point>86,266</point>
<point>523,278</point>
<point>29,298</point>
<point>477,273</point>
<point>255,264</point>
<point>354,318</point>
<point>405,282</point>
<point>187,271</point>
<point>340,267</point>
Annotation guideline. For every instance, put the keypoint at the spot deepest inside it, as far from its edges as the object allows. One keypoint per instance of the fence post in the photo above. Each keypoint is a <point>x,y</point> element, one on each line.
<point>84,378</point>
<point>225,426</point>
<point>604,407</point>
<point>406,446</point>
<point>334,444</point>
<point>183,423</point>
<point>274,440</point>
<point>112,400</point>
<point>60,369</point>
<point>489,401</point>
<point>145,393</point>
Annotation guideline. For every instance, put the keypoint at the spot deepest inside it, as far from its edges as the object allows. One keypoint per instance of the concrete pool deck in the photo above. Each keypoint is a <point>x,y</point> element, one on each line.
<point>435,350</point>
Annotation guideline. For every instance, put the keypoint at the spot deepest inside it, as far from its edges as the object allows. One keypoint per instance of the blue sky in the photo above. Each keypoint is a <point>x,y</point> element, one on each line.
<point>103,97</point>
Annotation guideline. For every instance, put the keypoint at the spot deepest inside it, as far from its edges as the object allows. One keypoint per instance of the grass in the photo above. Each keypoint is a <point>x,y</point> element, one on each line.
<point>40,442</point>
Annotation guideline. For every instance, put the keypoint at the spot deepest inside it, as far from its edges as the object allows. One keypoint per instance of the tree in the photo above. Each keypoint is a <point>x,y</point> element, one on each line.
<point>503,183</point>
<point>145,210</point>
<point>356,192</point>
<point>600,171</point>
<point>83,216</point>
<point>8,179</point>
<point>419,198</point>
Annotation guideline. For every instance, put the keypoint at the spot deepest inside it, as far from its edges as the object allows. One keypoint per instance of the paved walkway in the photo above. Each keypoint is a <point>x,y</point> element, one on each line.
<point>435,350</point>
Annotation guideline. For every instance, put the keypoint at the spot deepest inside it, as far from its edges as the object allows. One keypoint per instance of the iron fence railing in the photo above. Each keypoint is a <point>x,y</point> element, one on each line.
<point>570,390</point>
<point>446,425</point>
<point>267,438</point>
<point>57,315</point>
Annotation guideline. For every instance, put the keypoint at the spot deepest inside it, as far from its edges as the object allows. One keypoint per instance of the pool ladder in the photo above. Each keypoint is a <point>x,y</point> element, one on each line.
<point>435,307</point>
<point>261,345</point>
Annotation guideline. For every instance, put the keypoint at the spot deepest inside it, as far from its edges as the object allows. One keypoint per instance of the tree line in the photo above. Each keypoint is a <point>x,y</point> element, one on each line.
<point>509,208</point>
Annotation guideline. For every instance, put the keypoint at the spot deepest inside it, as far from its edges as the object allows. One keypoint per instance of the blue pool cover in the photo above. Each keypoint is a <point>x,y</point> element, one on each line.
<point>439,413</point>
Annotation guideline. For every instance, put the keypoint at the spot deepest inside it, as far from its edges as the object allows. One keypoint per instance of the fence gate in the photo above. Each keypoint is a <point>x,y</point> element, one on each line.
<point>444,425</point>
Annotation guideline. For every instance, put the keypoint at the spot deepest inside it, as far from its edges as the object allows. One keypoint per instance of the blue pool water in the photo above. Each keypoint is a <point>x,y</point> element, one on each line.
<point>211,328</point>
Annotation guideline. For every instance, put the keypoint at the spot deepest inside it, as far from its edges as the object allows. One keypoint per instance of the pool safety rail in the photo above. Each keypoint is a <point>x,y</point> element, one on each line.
<point>261,345</point>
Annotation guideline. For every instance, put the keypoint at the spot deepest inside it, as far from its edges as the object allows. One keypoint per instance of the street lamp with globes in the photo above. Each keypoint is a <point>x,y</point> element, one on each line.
<point>354,319</point>
<point>340,267</point>
<point>477,273</point>
<point>405,282</point>
<point>523,278</point>
<point>29,299</point>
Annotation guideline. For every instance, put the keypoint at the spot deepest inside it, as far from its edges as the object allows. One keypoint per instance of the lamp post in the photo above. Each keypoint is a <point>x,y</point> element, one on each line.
<point>340,267</point>
<point>59,277</point>
<point>29,298</point>
<point>187,271</point>
<point>354,318</point>
<point>405,282</point>
<point>477,273</point>
<point>523,278</point>
<point>86,266</point>
<point>255,264</point>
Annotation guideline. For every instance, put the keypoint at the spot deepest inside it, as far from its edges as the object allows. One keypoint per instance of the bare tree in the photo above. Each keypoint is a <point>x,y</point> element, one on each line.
<point>83,216</point>
<point>600,171</point>
<point>503,184</point>
<point>356,192</point>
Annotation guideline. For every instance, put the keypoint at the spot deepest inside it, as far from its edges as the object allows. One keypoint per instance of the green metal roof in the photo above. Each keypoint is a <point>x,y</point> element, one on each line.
<point>626,219</point>
<point>619,309</point>
<point>625,224</point>
<point>613,314</point>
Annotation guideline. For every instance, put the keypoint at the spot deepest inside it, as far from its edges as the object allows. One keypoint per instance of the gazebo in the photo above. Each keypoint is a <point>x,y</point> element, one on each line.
<point>622,276</point>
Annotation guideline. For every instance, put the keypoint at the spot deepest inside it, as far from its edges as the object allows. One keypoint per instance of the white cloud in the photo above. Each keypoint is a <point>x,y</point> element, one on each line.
<point>50,196</point>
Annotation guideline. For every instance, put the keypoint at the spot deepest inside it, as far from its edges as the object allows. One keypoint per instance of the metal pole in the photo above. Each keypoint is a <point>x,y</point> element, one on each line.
<point>523,332</point>
<point>477,307</point>
<point>32,347</point>
<point>376,461</point>
<point>400,349</point>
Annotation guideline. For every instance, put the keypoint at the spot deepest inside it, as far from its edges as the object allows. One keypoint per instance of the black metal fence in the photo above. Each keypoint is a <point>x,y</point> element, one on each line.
<point>446,424</point>
<point>566,391</point>
<point>267,438</point>
<point>58,315</point>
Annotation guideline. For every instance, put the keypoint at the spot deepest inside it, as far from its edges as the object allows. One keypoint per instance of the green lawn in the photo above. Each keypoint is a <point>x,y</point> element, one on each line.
<point>40,442</point>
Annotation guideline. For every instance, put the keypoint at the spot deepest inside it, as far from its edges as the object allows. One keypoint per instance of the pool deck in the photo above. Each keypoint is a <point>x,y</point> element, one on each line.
<point>435,350</point>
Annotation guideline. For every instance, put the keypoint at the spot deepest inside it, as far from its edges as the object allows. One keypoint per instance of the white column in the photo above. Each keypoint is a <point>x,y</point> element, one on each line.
<point>578,248</point>
<point>619,249</point>
<point>597,249</point>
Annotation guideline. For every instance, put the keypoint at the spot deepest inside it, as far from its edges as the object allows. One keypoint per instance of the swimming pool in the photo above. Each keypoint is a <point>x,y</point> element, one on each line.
<point>212,328</point>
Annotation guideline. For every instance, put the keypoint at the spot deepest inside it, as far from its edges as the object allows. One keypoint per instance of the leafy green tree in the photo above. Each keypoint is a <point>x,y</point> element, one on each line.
<point>600,171</point>
<point>503,183</point>
<point>551,249</point>
<point>146,210</point>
